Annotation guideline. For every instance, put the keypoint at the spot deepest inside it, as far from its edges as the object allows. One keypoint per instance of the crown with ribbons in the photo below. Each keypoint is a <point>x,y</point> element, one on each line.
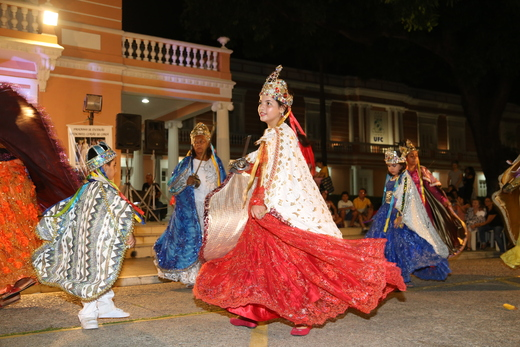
<point>407,148</point>
<point>277,88</point>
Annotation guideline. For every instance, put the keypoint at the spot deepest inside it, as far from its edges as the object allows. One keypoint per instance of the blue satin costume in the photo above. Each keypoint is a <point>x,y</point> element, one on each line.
<point>412,254</point>
<point>177,249</point>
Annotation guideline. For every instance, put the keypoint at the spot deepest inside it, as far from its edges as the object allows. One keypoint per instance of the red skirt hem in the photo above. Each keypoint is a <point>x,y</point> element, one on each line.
<point>307,278</point>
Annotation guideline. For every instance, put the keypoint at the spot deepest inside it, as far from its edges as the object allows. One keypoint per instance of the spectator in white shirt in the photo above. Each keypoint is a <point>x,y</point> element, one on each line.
<point>345,207</point>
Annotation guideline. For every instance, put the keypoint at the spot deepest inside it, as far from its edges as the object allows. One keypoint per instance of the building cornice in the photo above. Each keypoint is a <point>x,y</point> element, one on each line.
<point>224,86</point>
<point>43,54</point>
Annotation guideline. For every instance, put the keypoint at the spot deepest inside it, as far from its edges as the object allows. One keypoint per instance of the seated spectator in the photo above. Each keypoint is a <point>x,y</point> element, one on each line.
<point>332,208</point>
<point>363,210</point>
<point>452,192</point>
<point>345,207</point>
<point>322,177</point>
<point>493,223</point>
<point>475,214</point>
<point>460,207</point>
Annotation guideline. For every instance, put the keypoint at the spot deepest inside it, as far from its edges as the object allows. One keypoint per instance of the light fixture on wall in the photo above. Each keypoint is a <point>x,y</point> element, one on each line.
<point>93,104</point>
<point>50,13</point>
<point>50,18</point>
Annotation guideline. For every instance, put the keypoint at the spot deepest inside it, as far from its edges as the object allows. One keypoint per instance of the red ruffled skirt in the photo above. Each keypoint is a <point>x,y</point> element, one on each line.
<point>18,219</point>
<point>279,271</point>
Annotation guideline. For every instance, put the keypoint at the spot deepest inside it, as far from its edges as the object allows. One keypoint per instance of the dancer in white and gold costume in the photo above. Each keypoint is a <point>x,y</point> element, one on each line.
<point>279,253</point>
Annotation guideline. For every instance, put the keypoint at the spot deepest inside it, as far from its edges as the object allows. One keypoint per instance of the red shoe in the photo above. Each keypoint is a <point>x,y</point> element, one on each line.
<point>300,331</point>
<point>20,285</point>
<point>243,322</point>
<point>9,300</point>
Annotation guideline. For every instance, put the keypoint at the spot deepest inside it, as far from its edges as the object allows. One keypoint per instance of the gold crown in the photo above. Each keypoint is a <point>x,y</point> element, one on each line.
<point>407,148</point>
<point>200,129</point>
<point>391,157</point>
<point>277,88</point>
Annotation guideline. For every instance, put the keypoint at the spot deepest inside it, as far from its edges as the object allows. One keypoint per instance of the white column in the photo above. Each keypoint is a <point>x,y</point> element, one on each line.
<point>173,127</point>
<point>137,178</point>
<point>222,109</point>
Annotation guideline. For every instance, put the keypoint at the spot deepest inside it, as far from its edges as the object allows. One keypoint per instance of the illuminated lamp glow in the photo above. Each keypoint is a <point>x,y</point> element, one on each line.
<point>50,18</point>
<point>145,101</point>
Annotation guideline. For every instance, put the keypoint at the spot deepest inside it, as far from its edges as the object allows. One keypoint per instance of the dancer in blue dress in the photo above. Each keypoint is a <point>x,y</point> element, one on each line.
<point>199,173</point>
<point>413,244</point>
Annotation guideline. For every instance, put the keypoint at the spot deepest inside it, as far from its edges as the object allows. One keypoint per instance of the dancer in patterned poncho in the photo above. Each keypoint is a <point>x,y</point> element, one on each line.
<point>88,235</point>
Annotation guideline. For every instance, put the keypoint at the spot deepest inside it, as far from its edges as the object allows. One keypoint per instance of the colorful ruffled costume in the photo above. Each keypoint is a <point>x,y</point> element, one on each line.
<point>415,246</point>
<point>451,229</point>
<point>292,263</point>
<point>17,222</point>
<point>177,249</point>
<point>34,174</point>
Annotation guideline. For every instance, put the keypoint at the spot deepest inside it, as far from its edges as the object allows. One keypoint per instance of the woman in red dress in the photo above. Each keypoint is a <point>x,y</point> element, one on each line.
<point>285,257</point>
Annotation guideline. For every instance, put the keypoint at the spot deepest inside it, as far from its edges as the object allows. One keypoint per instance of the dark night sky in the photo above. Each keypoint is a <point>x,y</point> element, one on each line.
<point>161,19</point>
<point>155,18</point>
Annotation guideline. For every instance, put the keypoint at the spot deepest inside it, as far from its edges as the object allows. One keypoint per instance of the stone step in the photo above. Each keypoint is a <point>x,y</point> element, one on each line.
<point>151,228</point>
<point>352,231</point>
<point>143,250</point>
<point>141,239</point>
<point>145,237</point>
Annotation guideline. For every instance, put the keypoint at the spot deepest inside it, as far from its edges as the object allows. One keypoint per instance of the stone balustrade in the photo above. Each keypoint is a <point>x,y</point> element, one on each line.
<point>21,16</point>
<point>170,52</point>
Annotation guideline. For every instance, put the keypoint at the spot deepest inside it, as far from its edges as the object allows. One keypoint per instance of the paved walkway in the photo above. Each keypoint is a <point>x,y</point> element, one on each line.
<point>142,271</point>
<point>465,310</point>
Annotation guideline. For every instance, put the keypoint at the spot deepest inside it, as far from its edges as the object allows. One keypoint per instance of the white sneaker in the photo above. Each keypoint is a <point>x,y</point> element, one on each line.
<point>89,323</point>
<point>115,313</point>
